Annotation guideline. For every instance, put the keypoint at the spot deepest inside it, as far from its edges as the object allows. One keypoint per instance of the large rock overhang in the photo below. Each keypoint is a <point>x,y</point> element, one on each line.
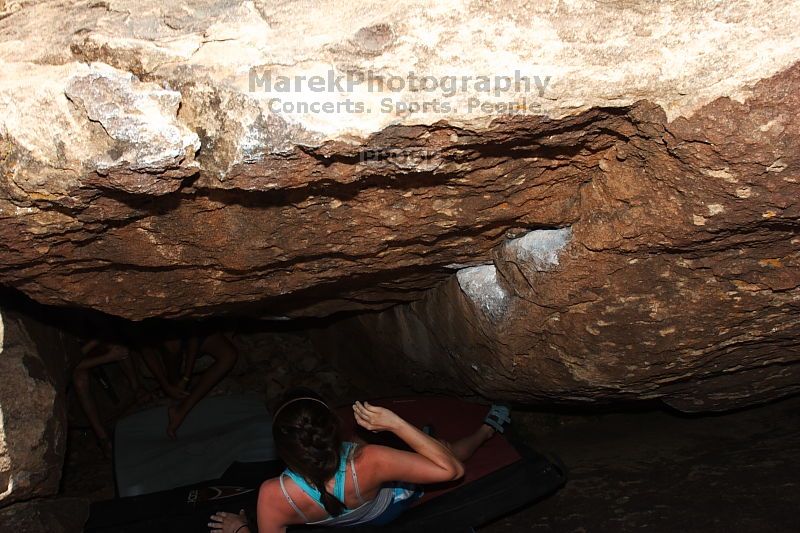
<point>143,177</point>
<point>629,231</point>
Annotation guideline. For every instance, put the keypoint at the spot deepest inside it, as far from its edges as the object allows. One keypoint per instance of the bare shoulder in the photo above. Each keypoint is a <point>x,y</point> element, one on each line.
<point>369,460</point>
<point>269,488</point>
<point>369,455</point>
<point>378,461</point>
<point>272,502</point>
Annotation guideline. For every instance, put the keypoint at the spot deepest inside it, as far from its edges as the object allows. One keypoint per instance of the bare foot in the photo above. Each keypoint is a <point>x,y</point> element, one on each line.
<point>175,392</point>
<point>107,449</point>
<point>175,417</point>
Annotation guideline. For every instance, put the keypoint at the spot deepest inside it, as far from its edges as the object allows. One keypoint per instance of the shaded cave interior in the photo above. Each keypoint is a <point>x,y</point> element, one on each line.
<point>601,442</point>
<point>272,357</point>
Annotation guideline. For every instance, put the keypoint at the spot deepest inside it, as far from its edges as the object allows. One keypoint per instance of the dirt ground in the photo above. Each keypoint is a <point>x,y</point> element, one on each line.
<point>663,472</point>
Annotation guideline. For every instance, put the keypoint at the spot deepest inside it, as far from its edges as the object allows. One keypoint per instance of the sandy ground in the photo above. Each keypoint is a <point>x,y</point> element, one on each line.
<point>658,471</point>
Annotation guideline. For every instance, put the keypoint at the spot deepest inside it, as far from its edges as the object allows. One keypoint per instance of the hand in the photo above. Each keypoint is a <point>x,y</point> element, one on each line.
<point>175,392</point>
<point>375,418</point>
<point>227,522</point>
<point>183,384</point>
<point>117,352</point>
<point>143,396</point>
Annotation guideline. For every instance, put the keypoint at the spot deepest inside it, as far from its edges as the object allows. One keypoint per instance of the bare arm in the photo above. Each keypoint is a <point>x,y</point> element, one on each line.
<point>99,354</point>
<point>192,347</point>
<point>90,346</point>
<point>433,461</point>
<point>268,515</point>
<point>130,370</point>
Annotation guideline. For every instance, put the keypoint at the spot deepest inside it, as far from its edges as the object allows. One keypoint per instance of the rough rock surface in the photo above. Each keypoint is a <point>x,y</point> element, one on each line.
<point>678,280</point>
<point>33,361</point>
<point>140,175</point>
<point>58,515</point>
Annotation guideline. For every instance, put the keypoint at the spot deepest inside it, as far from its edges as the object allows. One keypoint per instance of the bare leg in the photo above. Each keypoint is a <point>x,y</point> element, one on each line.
<point>465,447</point>
<point>224,354</point>
<point>141,394</point>
<point>153,358</point>
<point>80,378</point>
<point>190,355</point>
<point>173,358</point>
<point>98,355</point>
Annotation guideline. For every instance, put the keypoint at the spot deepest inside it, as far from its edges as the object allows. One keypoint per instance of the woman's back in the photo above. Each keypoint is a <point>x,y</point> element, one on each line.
<point>306,439</point>
<point>298,501</point>
<point>345,485</point>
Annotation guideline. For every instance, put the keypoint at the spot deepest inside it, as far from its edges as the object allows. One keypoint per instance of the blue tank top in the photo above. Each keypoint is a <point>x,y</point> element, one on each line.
<point>393,493</point>
<point>338,480</point>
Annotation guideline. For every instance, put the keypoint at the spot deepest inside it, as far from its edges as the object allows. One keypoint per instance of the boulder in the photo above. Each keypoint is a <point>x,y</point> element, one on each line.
<point>570,201</point>
<point>680,281</point>
<point>232,156</point>
<point>51,515</point>
<point>33,363</point>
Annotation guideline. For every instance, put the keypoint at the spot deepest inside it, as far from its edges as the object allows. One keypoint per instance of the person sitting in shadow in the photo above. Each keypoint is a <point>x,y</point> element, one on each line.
<point>171,360</point>
<point>97,352</point>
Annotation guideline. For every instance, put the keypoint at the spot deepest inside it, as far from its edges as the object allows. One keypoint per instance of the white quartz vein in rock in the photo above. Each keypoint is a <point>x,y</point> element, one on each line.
<point>480,284</point>
<point>540,248</point>
<point>140,115</point>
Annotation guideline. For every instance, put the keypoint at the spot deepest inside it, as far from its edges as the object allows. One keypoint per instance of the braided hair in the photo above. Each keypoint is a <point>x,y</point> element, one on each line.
<point>308,439</point>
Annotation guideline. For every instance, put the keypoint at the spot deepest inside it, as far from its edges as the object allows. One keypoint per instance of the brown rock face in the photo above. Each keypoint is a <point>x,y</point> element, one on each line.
<point>62,515</point>
<point>676,277</point>
<point>33,361</point>
<point>145,171</point>
<point>146,168</point>
<point>357,236</point>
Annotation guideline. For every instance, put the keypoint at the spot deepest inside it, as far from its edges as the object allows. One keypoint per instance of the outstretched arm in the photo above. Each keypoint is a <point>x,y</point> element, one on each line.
<point>192,347</point>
